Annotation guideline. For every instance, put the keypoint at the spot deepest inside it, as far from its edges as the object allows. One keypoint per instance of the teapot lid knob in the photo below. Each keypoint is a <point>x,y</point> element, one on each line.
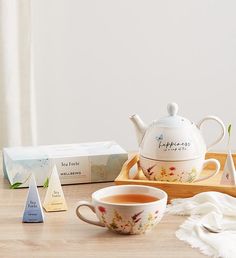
<point>172,109</point>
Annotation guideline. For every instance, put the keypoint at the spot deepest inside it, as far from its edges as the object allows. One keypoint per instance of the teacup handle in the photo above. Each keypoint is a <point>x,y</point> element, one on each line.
<point>79,215</point>
<point>222,134</point>
<point>205,162</point>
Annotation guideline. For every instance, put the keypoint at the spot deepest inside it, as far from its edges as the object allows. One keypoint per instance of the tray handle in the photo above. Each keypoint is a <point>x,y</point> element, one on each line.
<point>127,166</point>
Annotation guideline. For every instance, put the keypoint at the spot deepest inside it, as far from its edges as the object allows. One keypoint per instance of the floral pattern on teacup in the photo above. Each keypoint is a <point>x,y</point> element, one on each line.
<point>171,174</point>
<point>135,225</point>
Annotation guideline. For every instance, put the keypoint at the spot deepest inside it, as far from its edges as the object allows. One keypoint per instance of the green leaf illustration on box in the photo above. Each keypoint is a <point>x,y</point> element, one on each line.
<point>45,184</point>
<point>15,185</point>
<point>18,184</point>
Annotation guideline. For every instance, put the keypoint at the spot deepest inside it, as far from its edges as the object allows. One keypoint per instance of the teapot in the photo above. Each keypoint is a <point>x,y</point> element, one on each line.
<point>173,149</point>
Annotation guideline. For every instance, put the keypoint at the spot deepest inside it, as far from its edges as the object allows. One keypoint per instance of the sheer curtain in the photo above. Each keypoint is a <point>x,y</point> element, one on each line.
<point>17,113</point>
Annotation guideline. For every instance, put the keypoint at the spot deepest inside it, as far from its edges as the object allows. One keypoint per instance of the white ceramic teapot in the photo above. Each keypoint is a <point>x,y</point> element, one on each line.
<point>173,149</point>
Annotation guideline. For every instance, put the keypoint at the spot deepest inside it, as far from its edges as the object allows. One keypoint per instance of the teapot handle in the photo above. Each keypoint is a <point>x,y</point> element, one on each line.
<point>222,134</point>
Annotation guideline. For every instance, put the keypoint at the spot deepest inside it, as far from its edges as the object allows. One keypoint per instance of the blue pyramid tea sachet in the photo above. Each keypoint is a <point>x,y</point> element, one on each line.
<point>33,212</point>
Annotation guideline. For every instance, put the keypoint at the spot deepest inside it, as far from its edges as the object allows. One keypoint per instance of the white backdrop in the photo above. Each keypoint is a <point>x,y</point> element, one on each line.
<point>17,108</point>
<point>97,62</point>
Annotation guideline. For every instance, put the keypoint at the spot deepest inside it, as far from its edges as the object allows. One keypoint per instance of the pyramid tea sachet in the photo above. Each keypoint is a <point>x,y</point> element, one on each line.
<point>33,210</point>
<point>54,199</point>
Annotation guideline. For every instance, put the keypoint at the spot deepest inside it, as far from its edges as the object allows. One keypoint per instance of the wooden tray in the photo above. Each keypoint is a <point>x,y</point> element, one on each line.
<point>178,190</point>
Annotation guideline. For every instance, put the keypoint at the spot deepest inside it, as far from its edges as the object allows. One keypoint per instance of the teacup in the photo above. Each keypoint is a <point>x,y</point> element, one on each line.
<point>187,171</point>
<point>126,218</point>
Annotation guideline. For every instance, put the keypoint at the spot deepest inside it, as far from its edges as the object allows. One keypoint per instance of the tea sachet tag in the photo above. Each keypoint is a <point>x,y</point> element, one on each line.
<point>54,199</point>
<point>229,176</point>
<point>33,209</point>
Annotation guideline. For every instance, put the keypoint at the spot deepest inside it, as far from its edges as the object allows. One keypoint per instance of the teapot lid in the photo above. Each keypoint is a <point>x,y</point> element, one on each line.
<point>173,120</point>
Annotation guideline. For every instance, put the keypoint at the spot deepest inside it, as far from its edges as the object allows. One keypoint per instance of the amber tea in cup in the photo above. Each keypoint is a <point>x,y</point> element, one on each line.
<point>129,198</point>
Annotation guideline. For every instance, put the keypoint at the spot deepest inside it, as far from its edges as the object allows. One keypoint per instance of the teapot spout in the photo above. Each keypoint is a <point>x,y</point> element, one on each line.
<point>140,127</point>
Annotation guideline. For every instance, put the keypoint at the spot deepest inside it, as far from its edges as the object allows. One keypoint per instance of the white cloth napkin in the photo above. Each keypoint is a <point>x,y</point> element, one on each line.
<point>215,210</point>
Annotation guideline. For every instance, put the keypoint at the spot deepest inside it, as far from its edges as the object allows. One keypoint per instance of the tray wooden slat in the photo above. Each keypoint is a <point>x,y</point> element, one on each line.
<point>179,190</point>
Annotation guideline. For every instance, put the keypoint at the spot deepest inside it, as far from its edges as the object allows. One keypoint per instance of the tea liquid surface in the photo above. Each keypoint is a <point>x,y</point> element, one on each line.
<point>129,198</point>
